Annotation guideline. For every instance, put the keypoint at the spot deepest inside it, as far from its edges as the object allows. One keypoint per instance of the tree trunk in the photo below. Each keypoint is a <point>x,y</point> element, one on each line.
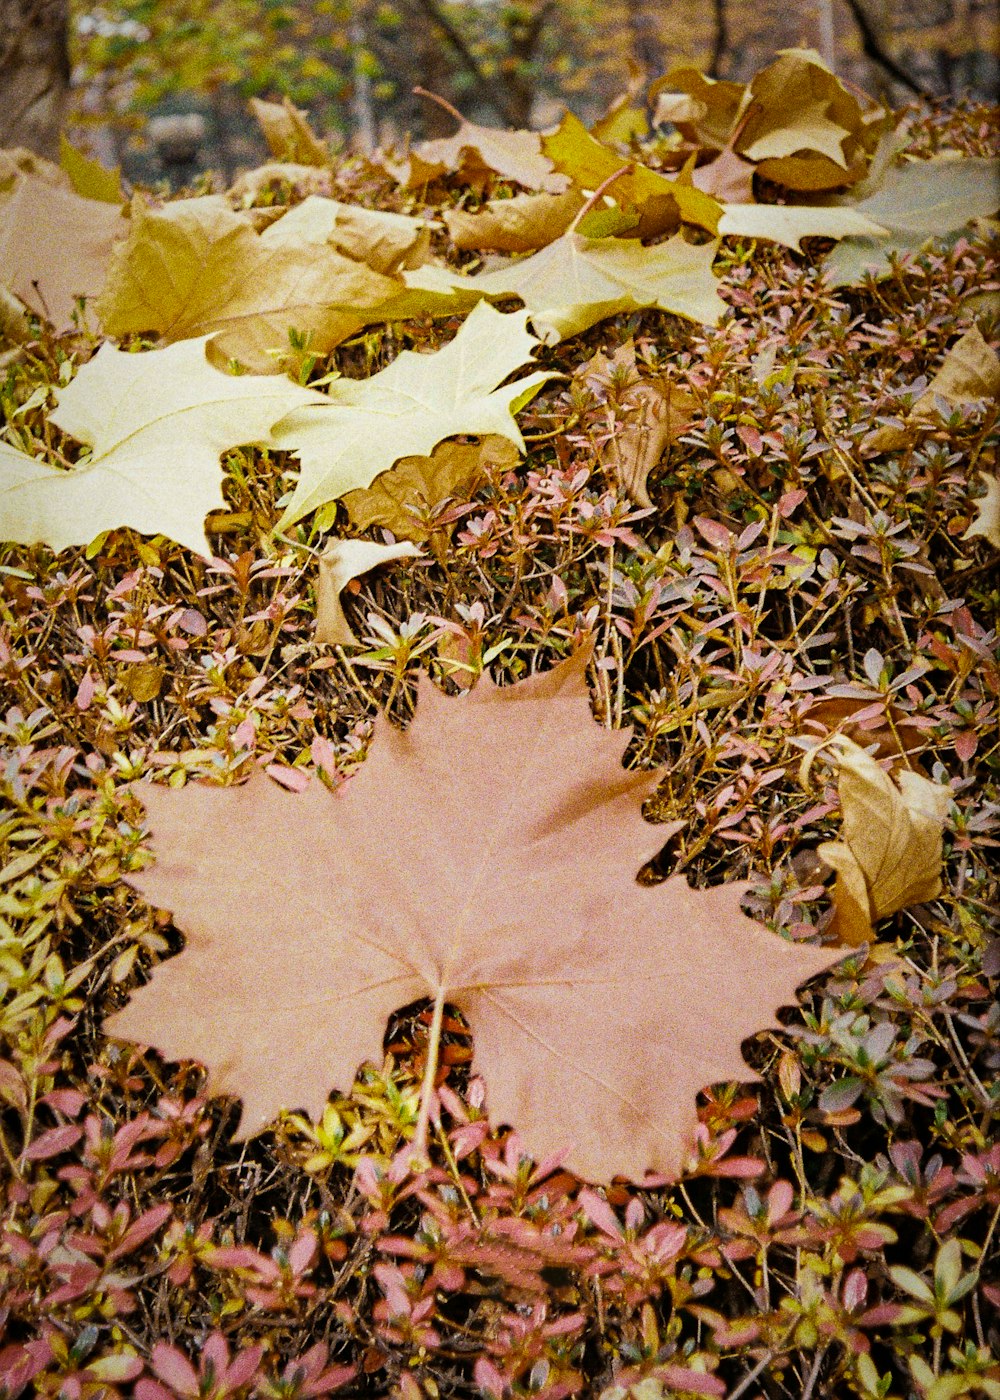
<point>34,73</point>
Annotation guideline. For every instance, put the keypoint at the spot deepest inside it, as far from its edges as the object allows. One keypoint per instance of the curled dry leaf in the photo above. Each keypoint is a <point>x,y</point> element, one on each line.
<point>890,854</point>
<point>518,225</point>
<point>386,242</point>
<point>459,866</point>
<point>400,499</point>
<point>55,246</point>
<point>342,561</point>
<point>703,109</point>
<point>969,373</point>
<point>987,521</point>
<point>476,154</point>
<point>288,134</point>
<point>645,413</point>
<point>195,267</point>
<point>156,424</point>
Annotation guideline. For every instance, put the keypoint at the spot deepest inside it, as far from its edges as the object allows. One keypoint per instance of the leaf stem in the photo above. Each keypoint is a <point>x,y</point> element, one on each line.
<point>626,169</point>
<point>441,102</point>
<point>430,1074</point>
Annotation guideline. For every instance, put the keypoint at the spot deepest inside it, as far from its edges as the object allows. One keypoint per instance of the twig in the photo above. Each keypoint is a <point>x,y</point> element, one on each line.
<point>873,49</point>
<point>493,92</point>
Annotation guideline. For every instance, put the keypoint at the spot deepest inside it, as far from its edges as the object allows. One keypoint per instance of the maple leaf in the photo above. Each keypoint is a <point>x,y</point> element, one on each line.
<point>386,242</point>
<point>517,225</point>
<point>797,104</point>
<point>649,413</point>
<point>969,373</point>
<point>288,134</point>
<point>890,854</point>
<point>788,223</point>
<point>55,246</point>
<point>421,484</point>
<point>987,521</point>
<point>916,202</point>
<point>342,561</point>
<point>89,177</point>
<point>460,865</point>
<point>156,424</point>
<point>363,426</point>
<point>703,109</point>
<point>577,281</point>
<point>590,163</point>
<point>195,267</point>
<point>475,154</point>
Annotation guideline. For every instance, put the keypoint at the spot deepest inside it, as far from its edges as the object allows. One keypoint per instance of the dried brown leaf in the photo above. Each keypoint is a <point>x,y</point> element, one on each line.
<point>890,854</point>
<point>460,865</point>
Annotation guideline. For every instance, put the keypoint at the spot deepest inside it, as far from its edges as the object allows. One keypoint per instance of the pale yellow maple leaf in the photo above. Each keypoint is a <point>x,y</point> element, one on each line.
<point>890,852</point>
<point>156,424</point>
<point>342,561</point>
<point>363,426</point>
<point>788,223</point>
<point>577,281</point>
<point>196,268</point>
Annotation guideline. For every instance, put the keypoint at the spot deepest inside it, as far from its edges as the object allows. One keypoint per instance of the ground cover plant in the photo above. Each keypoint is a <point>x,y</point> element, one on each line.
<point>595,433</point>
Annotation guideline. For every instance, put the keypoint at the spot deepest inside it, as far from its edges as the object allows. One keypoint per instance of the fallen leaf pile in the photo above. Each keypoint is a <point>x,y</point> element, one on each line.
<point>457,867</point>
<point>423,576</point>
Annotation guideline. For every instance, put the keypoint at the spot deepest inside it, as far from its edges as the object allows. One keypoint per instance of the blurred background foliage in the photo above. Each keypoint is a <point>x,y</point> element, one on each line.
<point>354,63</point>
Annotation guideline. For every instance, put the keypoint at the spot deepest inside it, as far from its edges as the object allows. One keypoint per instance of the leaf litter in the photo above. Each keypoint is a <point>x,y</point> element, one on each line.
<point>723,615</point>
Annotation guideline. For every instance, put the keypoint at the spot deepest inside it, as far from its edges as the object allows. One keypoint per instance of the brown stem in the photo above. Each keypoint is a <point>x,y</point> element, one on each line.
<point>626,169</point>
<point>419,91</point>
<point>430,1074</point>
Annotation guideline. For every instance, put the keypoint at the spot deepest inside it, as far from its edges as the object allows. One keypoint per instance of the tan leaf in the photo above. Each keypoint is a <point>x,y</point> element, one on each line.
<point>969,373</point>
<point>288,133</point>
<point>303,180</point>
<point>55,246</point>
<point>156,424</point>
<point>729,178</point>
<point>890,854</point>
<point>577,281</point>
<point>17,161</point>
<point>386,242</point>
<point>454,469</point>
<point>459,865</point>
<point>796,104</point>
<point>588,162</point>
<point>342,561</point>
<point>987,521</point>
<point>195,268</point>
<point>788,223</point>
<point>475,154</point>
<point>517,225</point>
<point>646,413</point>
<point>703,109</point>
